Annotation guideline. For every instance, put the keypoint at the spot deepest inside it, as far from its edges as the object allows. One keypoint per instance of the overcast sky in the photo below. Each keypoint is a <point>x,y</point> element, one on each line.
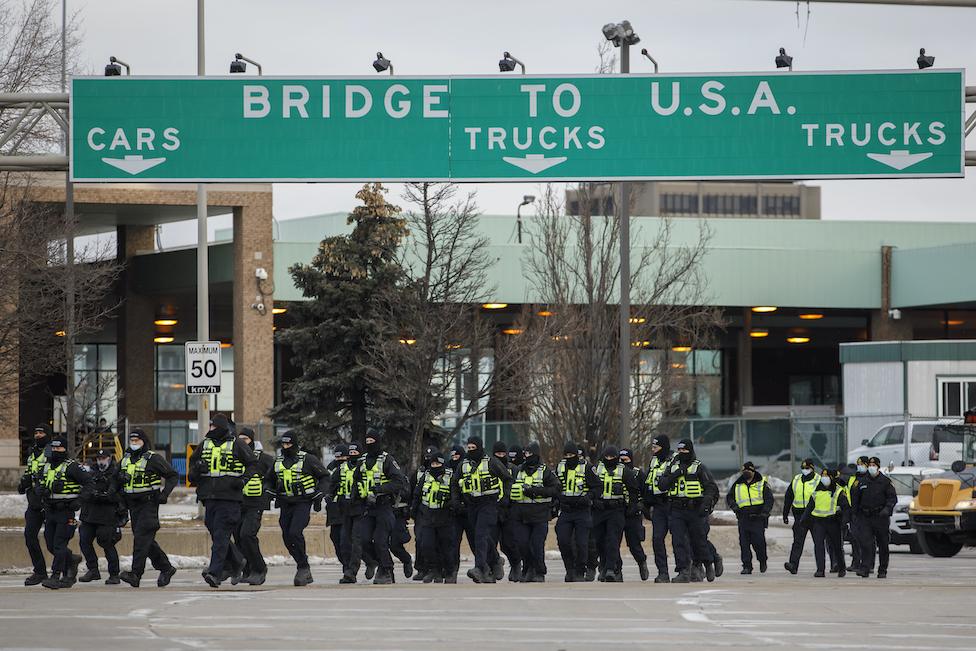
<point>425,37</point>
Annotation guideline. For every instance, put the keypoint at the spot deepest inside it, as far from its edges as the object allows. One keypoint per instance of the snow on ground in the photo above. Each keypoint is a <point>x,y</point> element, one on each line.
<point>12,505</point>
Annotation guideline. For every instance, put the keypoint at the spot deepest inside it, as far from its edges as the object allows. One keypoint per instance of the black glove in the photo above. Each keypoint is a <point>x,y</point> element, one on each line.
<point>886,512</point>
<point>162,499</point>
<point>786,519</point>
<point>531,491</point>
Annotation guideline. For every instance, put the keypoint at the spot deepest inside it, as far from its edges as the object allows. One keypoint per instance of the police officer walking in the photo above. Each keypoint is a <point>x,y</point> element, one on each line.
<point>64,480</point>
<point>634,532</point>
<point>431,504</point>
<point>578,488</point>
<point>256,501</point>
<point>421,565</point>
<point>827,509</point>
<point>658,505</point>
<point>851,531</point>
<point>533,488</point>
<point>483,482</point>
<point>618,485</point>
<point>505,535</point>
<point>31,483</point>
<point>147,480</point>
<point>218,466</point>
<point>336,499</point>
<point>377,481</point>
<point>874,500</point>
<point>795,501</point>
<point>299,480</point>
<point>751,500</point>
<point>101,508</point>
<point>693,492</point>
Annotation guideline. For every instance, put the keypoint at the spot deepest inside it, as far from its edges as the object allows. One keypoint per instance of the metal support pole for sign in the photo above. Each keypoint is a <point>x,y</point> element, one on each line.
<point>623,209</point>
<point>203,276</point>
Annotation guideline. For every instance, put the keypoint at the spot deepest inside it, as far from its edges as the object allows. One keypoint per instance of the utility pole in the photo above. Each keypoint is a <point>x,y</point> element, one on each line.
<point>203,274</point>
<point>69,253</point>
<point>623,209</point>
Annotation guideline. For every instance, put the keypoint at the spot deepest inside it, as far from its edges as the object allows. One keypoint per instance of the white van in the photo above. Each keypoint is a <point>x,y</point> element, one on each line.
<point>933,443</point>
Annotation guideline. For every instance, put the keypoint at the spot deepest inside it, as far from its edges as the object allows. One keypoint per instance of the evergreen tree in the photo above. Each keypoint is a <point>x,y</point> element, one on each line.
<point>335,396</point>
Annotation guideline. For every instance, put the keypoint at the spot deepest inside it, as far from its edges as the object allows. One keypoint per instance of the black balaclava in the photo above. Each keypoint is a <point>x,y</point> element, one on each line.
<point>221,427</point>
<point>500,451</point>
<point>373,449</point>
<point>479,449</point>
<point>458,450</point>
<point>289,437</point>
<point>571,449</point>
<point>141,435</point>
<point>249,433</point>
<point>610,457</point>
<point>749,473</point>
<point>429,452</point>
<point>515,455</point>
<point>532,460</point>
<point>664,442</point>
<point>689,456</point>
<point>41,442</point>
<point>355,454</point>
<point>437,457</point>
<point>625,452</point>
<point>57,457</point>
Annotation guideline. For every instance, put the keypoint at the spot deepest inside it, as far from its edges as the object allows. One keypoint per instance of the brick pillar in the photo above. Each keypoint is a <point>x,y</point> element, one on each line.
<point>253,334</point>
<point>135,333</point>
<point>744,360</point>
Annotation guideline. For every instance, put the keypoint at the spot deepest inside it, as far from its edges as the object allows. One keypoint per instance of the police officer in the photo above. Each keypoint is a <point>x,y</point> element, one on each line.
<point>257,500</point>
<point>796,499</point>
<point>692,492</point>
<point>147,480</point>
<point>515,457</point>
<point>751,499</point>
<point>479,486</point>
<point>218,467</point>
<point>101,508</point>
<point>506,534</point>
<point>377,481</point>
<point>578,488</point>
<point>421,566</point>
<point>827,509</point>
<point>634,532</point>
<point>431,503</point>
<point>299,481</point>
<point>851,475</point>
<point>533,488</point>
<point>336,499</point>
<point>874,502</point>
<point>619,485</point>
<point>31,483</point>
<point>400,535</point>
<point>658,505</point>
<point>64,479</point>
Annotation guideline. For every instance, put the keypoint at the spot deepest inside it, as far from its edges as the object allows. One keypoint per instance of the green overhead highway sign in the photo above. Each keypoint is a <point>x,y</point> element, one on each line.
<point>889,124</point>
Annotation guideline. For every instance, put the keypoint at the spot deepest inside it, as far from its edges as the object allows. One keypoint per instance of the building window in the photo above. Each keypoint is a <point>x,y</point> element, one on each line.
<point>814,389</point>
<point>96,388</point>
<point>679,204</point>
<point>956,396</point>
<point>729,204</point>
<point>781,206</point>
<point>695,379</point>
<point>171,378</point>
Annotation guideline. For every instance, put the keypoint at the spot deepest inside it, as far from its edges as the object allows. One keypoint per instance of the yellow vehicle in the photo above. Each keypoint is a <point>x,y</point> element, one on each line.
<point>943,513</point>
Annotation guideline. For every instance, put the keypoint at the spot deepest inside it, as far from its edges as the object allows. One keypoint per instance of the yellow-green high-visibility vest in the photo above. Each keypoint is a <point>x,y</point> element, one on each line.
<point>572,478</point>
<point>219,460</point>
<point>372,476</point>
<point>477,481</point>
<point>749,494</point>
<point>825,503</point>
<point>685,487</point>
<point>137,478</point>
<point>522,481</point>
<point>295,481</point>
<point>69,488</point>
<point>434,492</point>
<point>612,482</point>
<point>803,488</point>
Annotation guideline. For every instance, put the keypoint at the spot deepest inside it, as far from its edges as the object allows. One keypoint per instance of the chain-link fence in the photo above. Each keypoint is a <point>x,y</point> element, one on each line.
<point>905,440</point>
<point>511,432</point>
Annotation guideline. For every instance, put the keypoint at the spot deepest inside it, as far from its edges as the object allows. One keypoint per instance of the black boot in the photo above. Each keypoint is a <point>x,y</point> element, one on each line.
<point>710,572</point>
<point>130,578</point>
<point>438,576</point>
<point>408,568</point>
<point>451,576</point>
<point>662,578</point>
<point>384,576</point>
<point>212,581</point>
<point>165,576</point>
<point>762,568</point>
<point>89,576</point>
<point>419,574</point>
<point>303,576</point>
<point>720,566</point>
<point>683,577</point>
<point>113,579</point>
<point>498,571</point>
<point>590,574</point>
<point>35,579</point>
<point>645,574</point>
<point>515,572</point>
<point>257,578</point>
<point>475,575</point>
<point>370,570</point>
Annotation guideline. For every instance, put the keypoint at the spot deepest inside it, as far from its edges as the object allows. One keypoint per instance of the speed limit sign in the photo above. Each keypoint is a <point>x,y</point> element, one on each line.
<point>202,367</point>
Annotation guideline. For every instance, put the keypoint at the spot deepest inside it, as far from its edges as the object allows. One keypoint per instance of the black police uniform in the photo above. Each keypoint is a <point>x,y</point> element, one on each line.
<point>506,534</point>
<point>478,487</point>
<point>297,480</point>
<point>634,531</point>
<point>101,516</point>
<point>30,485</point>
<point>619,486</point>
<point>751,501</point>
<point>335,504</point>
<point>63,482</point>
<point>874,499</point>
<point>578,489</point>
<point>692,492</point>
<point>147,480</point>
<point>431,506</point>
<point>795,502</point>
<point>420,564</point>
<point>659,506</point>
<point>826,527</point>
<point>377,481</point>
<point>851,531</point>
<point>219,466</point>
<point>459,510</point>
<point>534,487</point>
<point>257,500</point>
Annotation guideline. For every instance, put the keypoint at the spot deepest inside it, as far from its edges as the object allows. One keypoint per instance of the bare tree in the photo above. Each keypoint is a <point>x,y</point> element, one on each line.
<point>574,267</point>
<point>439,355</point>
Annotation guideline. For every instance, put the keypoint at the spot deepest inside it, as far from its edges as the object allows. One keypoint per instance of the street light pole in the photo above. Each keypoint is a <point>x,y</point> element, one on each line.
<point>526,200</point>
<point>624,211</point>
<point>203,274</point>
<point>69,257</point>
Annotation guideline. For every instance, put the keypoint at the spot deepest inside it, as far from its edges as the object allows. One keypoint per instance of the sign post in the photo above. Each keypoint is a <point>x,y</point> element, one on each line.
<point>202,368</point>
<point>790,125</point>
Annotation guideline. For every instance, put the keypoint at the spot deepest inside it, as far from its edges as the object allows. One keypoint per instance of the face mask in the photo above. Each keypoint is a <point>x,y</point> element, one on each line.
<point>58,457</point>
<point>103,463</point>
<point>373,448</point>
<point>806,471</point>
<point>873,471</point>
<point>825,481</point>
<point>861,469</point>
<point>437,472</point>
<point>532,460</point>
<point>610,463</point>
<point>475,454</point>
<point>748,476</point>
<point>135,447</point>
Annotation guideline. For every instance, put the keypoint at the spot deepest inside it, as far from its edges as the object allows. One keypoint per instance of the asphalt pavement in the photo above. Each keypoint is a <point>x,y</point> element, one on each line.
<point>925,604</point>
